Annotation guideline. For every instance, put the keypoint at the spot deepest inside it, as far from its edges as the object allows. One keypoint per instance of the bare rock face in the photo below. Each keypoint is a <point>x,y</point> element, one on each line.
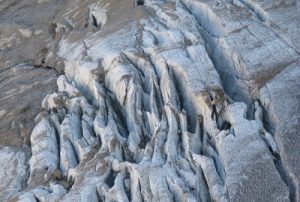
<point>191,100</point>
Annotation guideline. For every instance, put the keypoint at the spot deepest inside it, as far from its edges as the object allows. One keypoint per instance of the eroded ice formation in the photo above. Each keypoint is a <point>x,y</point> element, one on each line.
<point>171,101</point>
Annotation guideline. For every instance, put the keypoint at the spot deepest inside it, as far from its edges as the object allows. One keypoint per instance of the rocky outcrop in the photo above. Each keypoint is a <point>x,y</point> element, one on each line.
<point>166,101</point>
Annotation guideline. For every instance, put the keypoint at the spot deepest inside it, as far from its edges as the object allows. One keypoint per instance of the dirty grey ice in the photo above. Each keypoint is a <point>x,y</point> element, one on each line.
<point>150,100</point>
